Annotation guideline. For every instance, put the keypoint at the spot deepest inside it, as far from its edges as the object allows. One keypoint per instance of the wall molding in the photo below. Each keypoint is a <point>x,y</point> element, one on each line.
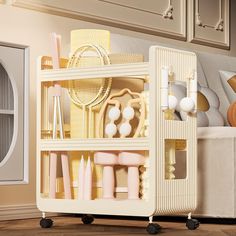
<point>24,211</point>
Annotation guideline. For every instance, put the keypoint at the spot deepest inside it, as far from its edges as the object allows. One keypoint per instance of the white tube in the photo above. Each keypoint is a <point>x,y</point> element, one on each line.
<point>55,40</point>
<point>81,179</point>
<point>66,175</point>
<point>60,118</point>
<point>164,88</point>
<point>88,181</point>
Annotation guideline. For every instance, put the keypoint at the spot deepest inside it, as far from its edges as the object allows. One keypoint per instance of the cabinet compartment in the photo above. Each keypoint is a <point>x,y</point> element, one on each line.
<point>120,204</point>
<point>82,122</point>
<point>120,175</point>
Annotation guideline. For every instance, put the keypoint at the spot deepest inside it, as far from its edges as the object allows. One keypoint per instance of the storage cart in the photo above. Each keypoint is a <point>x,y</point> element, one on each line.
<point>138,159</point>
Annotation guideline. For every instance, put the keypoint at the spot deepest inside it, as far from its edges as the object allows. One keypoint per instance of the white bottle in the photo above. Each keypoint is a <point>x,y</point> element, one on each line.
<point>88,181</point>
<point>81,179</point>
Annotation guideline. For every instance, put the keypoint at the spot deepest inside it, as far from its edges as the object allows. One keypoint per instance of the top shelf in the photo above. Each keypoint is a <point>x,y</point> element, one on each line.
<point>132,70</point>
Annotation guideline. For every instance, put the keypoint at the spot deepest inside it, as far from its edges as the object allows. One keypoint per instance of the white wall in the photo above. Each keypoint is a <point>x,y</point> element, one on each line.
<point>32,28</point>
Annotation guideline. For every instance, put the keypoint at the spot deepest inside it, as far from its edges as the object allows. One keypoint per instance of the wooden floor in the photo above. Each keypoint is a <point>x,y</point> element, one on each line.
<point>66,226</point>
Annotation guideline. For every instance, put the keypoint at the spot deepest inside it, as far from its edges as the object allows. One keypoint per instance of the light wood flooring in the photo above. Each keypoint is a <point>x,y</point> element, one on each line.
<point>67,225</point>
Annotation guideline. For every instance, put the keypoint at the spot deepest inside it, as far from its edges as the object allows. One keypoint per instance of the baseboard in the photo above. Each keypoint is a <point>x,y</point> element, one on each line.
<point>24,211</point>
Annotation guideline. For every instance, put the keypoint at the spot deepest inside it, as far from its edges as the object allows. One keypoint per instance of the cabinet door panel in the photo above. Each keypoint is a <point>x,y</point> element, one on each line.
<point>12,114</point>
<point>210,22</point>
<point>137,15</point>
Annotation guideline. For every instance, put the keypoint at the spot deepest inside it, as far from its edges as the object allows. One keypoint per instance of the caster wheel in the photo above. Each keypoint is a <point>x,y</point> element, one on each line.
<point>87,219</point>
<point>46,223</point>
<point>153,228</point>
<point>192,224</point>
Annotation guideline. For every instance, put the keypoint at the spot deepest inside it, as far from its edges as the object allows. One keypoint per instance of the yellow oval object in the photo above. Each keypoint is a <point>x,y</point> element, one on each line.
<point>202,102</point>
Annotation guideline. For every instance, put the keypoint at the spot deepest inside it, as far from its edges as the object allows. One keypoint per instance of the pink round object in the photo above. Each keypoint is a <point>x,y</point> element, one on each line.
<point>131,159</point>
<point>105,158</point>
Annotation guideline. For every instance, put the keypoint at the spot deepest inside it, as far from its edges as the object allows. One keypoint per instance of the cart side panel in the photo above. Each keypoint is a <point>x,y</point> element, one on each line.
<point>174,195</point>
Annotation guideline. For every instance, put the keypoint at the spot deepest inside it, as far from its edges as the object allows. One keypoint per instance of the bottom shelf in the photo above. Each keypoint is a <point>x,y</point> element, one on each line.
<point>97,206</point>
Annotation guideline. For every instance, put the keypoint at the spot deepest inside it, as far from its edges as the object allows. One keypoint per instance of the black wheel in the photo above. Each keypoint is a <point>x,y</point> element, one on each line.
<point>153,228</point>
<point>87,219</point>
<point>192,224</point>
<point>46,223</point>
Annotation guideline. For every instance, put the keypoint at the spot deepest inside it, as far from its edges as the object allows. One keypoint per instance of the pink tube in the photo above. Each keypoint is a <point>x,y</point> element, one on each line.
<point>133,182</point>
<point>52,175</point>
<point>133,161</point>
<point>108,182</point>
<point>66,175</point>
<point>107,160</point>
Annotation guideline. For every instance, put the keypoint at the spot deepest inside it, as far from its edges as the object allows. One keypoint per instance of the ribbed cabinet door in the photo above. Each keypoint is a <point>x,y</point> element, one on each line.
<point>11,114</point>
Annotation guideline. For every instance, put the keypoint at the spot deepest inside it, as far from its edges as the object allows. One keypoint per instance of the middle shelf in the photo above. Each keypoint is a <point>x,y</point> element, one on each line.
<point>6,112</point>
<point>94,144</point>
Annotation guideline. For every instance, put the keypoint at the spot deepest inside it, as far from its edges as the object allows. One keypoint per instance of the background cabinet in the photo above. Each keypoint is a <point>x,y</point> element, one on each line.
<point>161,17</point>
<point>13,115</point>
<point>207,20</point>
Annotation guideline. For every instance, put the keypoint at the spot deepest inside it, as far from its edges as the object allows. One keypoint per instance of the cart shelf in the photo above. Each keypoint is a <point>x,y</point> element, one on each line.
<point>118,70</point>
<point>94,144</point>
<point>114,207</point>
<point>6,112</point>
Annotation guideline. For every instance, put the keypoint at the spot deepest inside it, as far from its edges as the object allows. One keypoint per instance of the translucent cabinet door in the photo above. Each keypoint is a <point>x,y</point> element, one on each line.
<point>12,125</point>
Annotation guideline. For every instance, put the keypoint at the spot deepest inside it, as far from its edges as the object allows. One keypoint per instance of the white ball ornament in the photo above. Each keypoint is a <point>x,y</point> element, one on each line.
<point>110,129</point>
<point>187,104</point>
<point>128,113</point>
<point>114,113</point>
<point>215,117</point>
<point>125,129</point>
<point>172,100</point>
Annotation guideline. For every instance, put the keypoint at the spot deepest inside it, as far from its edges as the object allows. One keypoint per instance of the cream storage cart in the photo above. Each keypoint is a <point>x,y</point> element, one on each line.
<point>135,156</point>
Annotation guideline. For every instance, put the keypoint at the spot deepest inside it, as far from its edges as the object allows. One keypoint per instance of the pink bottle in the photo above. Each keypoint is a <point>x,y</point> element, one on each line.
<point>107,160</point>
<point>66,175</point>
<point>133,161</point>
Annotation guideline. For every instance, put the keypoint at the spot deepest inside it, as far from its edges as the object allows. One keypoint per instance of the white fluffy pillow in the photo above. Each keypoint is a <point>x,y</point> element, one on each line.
<point>215,118</point>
